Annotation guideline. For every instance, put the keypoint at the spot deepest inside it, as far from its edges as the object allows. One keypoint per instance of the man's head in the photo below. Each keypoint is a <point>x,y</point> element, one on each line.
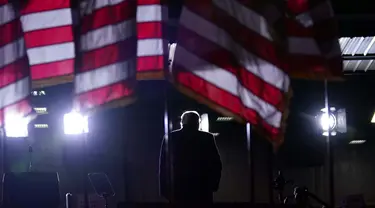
<point>190,120</point>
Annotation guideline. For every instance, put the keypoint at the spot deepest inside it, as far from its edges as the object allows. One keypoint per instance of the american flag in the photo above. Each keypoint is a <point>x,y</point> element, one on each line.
<point>49,40</point>
<point>152,50</point>
<point>117,39</point>
<point>15,83</point>
<point>108,47</point>
<point>314,49</point>
<point>233,56</point>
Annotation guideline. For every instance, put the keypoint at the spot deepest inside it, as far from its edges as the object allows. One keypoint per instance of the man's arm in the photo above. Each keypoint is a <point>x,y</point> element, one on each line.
<point>216,165</point>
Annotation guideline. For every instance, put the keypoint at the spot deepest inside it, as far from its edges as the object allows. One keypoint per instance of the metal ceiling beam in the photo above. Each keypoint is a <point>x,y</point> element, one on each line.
<point>359,57</point>
<point>356,17</point>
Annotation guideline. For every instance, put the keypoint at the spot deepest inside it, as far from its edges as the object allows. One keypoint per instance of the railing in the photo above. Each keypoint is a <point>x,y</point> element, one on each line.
<point>301,195</point>
<point>69,200</point>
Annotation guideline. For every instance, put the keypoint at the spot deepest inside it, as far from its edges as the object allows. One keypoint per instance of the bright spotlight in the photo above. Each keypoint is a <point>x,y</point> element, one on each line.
<point>205,124</point>
<point>16,126</point>
<point>332,121</point>
<point>373,118</point>
<point>75,123</point>
<point>327,121</point>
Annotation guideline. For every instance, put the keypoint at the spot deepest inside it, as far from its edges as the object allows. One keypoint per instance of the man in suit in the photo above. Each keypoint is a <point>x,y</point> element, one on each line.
<point>196,170</point>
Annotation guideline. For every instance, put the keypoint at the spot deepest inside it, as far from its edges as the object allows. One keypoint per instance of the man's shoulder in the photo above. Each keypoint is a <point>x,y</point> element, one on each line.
<point>200,133</point>
<point>178,131</point>
<point>207,134</point>
<point>174,132</point>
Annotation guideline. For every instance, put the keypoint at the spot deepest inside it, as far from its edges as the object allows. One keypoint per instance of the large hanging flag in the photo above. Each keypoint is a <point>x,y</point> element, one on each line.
<point>152,52</point>
<point>49,40</point>
<point>234,56</point>
<point>313,41</point>
<point>107,70</point>
<point>14,71</point>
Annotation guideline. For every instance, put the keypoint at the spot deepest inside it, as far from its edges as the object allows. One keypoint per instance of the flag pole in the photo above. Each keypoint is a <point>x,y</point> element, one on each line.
<point>329,152</point>
<point>76,20</point>
<point>4,158</point>
<point>168,138</point>
<point>4,165</point>
<point>271,164</point>
<point>250,160</point>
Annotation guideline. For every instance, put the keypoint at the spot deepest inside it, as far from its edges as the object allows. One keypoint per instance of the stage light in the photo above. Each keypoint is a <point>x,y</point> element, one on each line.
<point>16,126</point>
<point>41,110</point>
<point>38,93</point>
<point>75,123</point>
<point>205,123</point>
<point>327,121</point>
<point>41,126</point>
<point>373,118</point>
<point>357,141</point>
<point>224,119</point>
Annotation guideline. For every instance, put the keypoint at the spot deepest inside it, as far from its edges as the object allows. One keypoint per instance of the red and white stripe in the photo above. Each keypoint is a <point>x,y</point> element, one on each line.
<point>108,47</point>
<point>312,49</point>
<point>49,38</point>
<point>152,49</point>
<point>313,26</point>
<point>14,71</point>
<point>228,54</point>
<point>224,54</point>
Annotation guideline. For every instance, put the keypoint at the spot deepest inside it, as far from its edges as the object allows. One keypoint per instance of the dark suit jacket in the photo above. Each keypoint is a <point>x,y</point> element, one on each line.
<point>196,169</point>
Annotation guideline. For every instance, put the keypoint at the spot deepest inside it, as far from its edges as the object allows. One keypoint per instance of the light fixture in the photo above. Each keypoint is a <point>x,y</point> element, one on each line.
<point>16,126</point>
<point>75,123</point>
<point>357,141</point>
<point>38,93</point>
<point>327,121</point>
<point>41,110</point>
<point>205,123</point>
<point>41,126</point>
<point>332,121</point>
<point>373,118</point>
<point>224,119</point>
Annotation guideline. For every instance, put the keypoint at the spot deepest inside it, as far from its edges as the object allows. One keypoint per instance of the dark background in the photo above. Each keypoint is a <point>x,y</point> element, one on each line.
<point>125,142</point>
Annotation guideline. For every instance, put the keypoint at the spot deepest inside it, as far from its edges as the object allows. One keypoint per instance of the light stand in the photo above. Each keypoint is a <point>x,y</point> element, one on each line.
<point>279,184</point>
<point>102,186</point>
<point>331,122</point>
<point>301,194</point>
<point>3,152</point>
<point>30,151</point>
<point>85,191</point>
<point>105,197</point>
<point>329,151</point>
<point>30,158</point>
<point>302,197</point>
<point>250,163</point>
<point>4,165</point>
<point>14,127</point>
<point>77,124</point>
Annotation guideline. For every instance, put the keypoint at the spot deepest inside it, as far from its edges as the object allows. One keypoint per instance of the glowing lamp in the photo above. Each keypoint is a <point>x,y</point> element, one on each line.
<point>75,123</point>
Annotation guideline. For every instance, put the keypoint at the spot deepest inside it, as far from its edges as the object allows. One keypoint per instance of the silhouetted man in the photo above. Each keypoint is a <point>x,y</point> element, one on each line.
<point>196,169</point>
